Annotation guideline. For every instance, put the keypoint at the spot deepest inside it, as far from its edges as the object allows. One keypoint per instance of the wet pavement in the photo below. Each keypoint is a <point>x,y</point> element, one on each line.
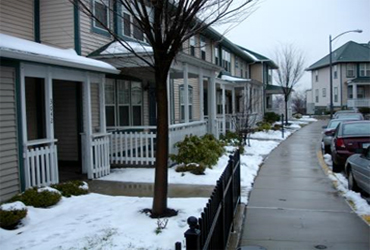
<point>293,204</point>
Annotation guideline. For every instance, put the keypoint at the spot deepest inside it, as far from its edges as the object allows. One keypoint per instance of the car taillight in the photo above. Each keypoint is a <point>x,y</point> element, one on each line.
<point>340,143</point>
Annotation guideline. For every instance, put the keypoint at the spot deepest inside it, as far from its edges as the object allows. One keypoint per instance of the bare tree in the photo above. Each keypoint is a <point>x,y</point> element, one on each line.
<point>290,61</point>
<point>167,25</point>
<point>299,103</point>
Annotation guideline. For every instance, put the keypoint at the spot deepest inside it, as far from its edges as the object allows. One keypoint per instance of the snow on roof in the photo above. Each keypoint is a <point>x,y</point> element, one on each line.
<point>117,48</point>
<point>234,79</point>
<point>22,49</point>
<point>251,55</point>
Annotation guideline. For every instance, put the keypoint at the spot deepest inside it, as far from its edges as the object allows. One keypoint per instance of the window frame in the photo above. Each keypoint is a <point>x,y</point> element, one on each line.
<point>316,75</point>
<point>350,70</point>
<point>365,67</point>
<point>203,51</point>
<point>94,24</point>
<point>323,92</point>
<point>335,71</point>
<point>182,102</point>
<point>217,55</point>
<point>335,94</point>
<point>317,95</point>
<point>226,59</point>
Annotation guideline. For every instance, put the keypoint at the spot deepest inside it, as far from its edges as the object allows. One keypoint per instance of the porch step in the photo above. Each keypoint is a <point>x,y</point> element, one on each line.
<point>116,188</point>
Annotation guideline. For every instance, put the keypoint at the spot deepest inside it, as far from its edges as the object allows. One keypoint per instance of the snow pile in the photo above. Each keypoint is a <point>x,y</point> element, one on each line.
<point>17,205</point>
<point>271,135</point>
<point>117,48</point>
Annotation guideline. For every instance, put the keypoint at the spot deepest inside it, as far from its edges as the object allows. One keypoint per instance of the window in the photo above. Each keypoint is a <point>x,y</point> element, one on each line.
<point>335,94</point>
<point>236,63</point>
<point>364,69</point>
<point>335,71</point>
<point>203,47</point>
<point>324,92</point>
<point>182,102</point>
<point>316,95</point>
<point>350,70</point>
<point>316,76</point>
<point>350,92</point>
<point>241,72</point>
<point>101,11</point>
<point>192,45</point>
<point>127,24</point>
<point>219,101</point>
<point>226,61</point>
<point>123,103</point>
<point>130,26</point>
<point>360,92</point>
<point>216,56</point>
<point>138,33</point>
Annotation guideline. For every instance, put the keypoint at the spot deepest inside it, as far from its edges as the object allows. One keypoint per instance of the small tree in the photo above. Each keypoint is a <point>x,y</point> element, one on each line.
<point>299,103</point>
<point>166,25</point>
<point>291,63</point>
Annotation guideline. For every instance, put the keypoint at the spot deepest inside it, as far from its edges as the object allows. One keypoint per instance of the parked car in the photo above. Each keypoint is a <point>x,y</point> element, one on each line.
<point>357,169</point>
<point>329,132</point>
<point>350,137</point>
<point>343,111</point>
<point>353,116</point>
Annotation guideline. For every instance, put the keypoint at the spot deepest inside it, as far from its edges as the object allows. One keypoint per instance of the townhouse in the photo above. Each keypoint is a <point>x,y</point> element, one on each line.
<point>74,100</point>
<point>351,79</point>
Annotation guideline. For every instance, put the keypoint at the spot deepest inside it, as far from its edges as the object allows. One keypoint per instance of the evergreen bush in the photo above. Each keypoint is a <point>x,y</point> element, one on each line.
<point>39,197</point>
<point>197,169</point>
<point>11,214</point>
<point>67,189</point>
<point>271,117</point>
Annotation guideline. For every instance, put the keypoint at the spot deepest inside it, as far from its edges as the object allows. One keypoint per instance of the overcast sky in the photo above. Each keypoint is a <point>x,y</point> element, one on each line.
<point>305,23</point>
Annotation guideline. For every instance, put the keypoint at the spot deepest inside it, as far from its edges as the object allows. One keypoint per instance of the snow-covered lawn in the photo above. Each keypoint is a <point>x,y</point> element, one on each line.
<point>97,221</point>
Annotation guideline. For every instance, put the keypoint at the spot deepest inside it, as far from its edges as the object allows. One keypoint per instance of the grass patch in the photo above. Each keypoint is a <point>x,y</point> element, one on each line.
<point>366,218</point>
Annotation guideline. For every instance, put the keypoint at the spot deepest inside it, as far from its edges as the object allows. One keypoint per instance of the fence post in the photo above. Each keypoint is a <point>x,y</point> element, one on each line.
<point>192,235</point>
<point>282,125</point>
<point>178,246</point>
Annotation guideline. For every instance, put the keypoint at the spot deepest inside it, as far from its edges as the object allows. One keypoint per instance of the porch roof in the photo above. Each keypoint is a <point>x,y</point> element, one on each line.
<point>21,49</point>
<point>234,79</point>
<point>360,80</point>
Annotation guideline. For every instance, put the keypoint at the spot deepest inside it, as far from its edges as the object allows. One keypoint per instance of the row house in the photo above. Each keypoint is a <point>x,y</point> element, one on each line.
<point>351,79</point>
<point>72,99</point>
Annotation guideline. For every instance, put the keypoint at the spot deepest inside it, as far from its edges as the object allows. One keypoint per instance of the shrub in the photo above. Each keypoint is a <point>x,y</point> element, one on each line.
<point>202,150</point>
<point>197,169</point>
<point>263,126</point>
<point>11,214</point>
<point>39,197</point>
<point>233,139</point>
<point>271,117</point>
<point>276,127</point>
<point>67,189</point>
<point>364,110</point>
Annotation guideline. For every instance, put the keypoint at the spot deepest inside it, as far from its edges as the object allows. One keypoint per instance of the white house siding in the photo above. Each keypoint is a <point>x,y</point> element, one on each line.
<point>323,82</point>
<point>16,18</point>
<point>256,72</point>
<point>57,23</point>
<point>145,106</point>
<point>65,119</point>
<point>91,41</point>
<point>8,135</point>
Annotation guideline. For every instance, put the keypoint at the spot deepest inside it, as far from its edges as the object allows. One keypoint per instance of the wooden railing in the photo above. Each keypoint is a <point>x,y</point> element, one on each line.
<point>100,155</point>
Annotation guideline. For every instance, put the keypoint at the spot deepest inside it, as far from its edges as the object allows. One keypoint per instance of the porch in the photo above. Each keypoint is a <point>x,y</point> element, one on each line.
<point>359,93</point>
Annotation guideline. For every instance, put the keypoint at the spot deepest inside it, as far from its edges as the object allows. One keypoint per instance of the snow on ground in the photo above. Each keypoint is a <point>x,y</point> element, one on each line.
<point>97,221</point>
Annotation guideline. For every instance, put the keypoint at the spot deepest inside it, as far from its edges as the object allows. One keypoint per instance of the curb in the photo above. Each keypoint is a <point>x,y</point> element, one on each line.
<point>328,172</point>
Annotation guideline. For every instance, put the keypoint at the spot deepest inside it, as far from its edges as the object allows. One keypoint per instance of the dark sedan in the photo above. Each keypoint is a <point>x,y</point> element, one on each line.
<point>358,171</point>
<point>350,137</point>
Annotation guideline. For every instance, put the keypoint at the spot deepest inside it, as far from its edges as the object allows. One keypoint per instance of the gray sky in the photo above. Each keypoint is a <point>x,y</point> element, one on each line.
<point>305,23</point>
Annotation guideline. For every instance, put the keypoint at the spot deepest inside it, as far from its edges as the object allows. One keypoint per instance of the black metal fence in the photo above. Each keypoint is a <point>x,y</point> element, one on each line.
<point>212,229</point>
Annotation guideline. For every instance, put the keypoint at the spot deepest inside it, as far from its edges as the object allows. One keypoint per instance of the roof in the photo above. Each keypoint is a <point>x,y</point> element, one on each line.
<point>21,49</point>
<point>259,58</point>
<point>350,52</point>
<point>360,79</point>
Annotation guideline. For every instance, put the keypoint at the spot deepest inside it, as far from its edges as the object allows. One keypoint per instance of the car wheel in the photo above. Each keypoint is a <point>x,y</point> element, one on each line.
<point>336,168</point>
<point>327,149</point>
<point>352,185</point>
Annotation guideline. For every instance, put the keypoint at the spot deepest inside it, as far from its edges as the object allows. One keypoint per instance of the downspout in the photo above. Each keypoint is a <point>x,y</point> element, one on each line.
<point>36,24</point>
<point>76,27</point>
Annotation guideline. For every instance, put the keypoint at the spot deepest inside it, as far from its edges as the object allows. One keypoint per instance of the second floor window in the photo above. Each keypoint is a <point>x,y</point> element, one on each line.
<point>226,60</point>
<point>316,95</point>
<point>216,56</point>
<point>101,11</point>
<point>335,71</point>
<point>350,70</point>
<point>203,47</point>
<point>336,94</point>
<point>130,27</point>
<point>324,92</point>
<point>364,69</point>
<point>192,45</point>
<point>316,76</point>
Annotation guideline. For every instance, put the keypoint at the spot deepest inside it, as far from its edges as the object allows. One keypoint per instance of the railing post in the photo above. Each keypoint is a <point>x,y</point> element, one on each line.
<point>282,125</point>
<point>178,246</point>
<point>192,235</point>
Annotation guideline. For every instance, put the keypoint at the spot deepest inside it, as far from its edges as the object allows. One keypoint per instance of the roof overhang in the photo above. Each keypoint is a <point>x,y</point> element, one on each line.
<point>24,50</point>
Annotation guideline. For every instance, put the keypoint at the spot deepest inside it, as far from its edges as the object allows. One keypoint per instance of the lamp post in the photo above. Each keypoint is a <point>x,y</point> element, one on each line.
<point>330,67</point>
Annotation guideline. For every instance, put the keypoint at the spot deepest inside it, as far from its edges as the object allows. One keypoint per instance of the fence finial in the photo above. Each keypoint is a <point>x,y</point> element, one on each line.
<point>192,235</point>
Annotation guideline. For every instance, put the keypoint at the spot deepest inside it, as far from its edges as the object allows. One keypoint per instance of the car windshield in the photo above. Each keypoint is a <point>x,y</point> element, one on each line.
<point>350,116</point>
<point>333,124</point>
<point>356,129</point>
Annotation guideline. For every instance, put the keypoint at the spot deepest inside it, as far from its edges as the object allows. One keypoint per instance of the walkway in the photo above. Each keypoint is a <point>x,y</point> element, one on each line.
<point>294,205</point>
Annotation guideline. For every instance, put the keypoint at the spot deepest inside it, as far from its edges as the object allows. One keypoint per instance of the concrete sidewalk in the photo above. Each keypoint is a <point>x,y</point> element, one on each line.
<point>293,204</point>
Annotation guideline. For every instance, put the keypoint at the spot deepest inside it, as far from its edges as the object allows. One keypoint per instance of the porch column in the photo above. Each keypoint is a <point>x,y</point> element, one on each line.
<point>169,98</point>
<point>245,99</point>
<point>103,126</point>
<point>223,110</point>
<point>354,91</point>
<point>49,118</point>
<point>212,105</point>
<point>87,157</point>
<point>24,125</point>
<point>201,95</point>
<point>233,110</point>
<point>186,93</point>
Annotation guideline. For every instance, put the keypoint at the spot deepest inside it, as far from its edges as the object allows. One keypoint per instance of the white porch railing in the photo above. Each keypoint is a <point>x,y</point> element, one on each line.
<point>100,156</point>
<point>356,103</point>
<point>40,163</point>
<point>179,131</point>
<point>136,148</point>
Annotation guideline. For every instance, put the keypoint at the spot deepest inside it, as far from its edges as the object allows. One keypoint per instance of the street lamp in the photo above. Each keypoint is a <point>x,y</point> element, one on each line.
<point>330,66</point>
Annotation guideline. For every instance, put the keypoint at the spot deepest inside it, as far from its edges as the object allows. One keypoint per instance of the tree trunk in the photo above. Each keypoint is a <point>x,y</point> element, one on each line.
<point>161,169</point>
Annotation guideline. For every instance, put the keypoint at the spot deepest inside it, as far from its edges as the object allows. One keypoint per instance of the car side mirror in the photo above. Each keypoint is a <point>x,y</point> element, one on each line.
<point>330,132</point>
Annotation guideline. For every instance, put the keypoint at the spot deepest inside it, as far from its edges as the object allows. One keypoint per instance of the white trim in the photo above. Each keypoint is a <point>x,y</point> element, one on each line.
<point>186,92</point>
<point>201,94</point>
